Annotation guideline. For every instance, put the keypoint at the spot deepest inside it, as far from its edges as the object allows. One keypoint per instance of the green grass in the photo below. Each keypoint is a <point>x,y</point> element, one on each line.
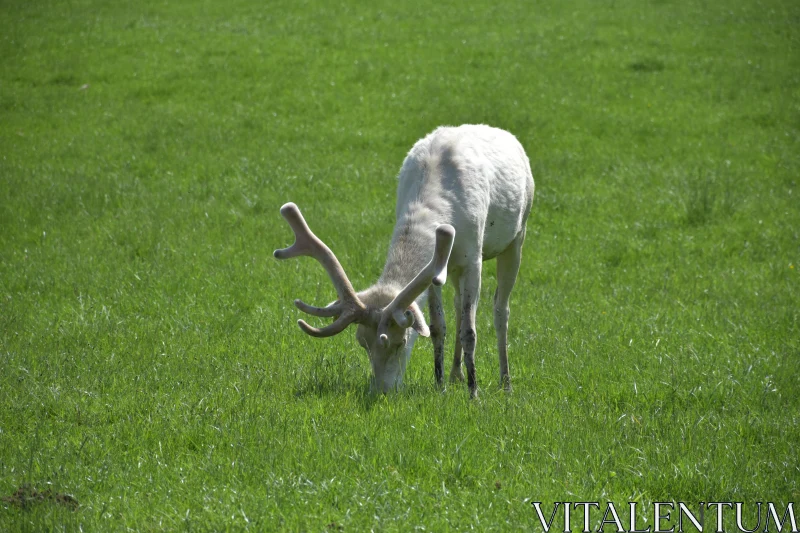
<point>150,365</point>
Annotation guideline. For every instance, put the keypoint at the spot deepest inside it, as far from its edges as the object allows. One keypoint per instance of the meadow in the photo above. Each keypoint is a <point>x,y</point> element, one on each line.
<point>152,376</point>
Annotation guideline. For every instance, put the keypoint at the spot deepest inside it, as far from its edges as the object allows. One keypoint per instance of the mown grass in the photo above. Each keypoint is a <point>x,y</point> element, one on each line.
<point>150,366</point>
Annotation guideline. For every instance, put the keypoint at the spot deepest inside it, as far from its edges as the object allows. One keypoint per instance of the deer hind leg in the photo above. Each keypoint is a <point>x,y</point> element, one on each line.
<point>438,330</point>
<point>470,292</point>
<point>507,269</point>
<point>455,372</point>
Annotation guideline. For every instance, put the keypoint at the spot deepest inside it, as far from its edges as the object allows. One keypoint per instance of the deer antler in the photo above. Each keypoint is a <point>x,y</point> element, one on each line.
<point>348,308</point>
<point>434,272</point>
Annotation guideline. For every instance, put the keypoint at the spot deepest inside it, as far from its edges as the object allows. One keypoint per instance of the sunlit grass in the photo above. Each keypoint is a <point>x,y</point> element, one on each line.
<point>150,365</point>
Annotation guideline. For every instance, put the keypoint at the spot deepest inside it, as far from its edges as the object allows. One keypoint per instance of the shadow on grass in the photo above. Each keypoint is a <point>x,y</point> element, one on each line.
<point>26,496</point>
<point>646,65</point>
<point>708,198</point>
<point>328,388</point>
<point>363,393</point>
<point>313,386</point>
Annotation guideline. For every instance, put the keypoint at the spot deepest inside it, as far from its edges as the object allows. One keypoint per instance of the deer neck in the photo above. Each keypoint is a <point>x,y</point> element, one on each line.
<point>412,246</point>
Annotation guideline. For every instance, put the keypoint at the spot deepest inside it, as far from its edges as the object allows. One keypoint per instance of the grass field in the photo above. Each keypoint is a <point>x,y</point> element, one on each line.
<point>152,376</point>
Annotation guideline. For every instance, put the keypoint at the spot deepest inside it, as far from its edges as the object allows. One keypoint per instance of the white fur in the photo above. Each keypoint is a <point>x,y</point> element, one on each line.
<point>477,179</point>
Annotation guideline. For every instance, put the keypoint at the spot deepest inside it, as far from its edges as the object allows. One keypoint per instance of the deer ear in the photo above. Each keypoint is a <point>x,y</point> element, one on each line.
<point>419,325</point>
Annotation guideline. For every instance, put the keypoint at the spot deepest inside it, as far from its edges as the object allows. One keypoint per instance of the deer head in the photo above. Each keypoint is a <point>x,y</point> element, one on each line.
<point>388,317</point>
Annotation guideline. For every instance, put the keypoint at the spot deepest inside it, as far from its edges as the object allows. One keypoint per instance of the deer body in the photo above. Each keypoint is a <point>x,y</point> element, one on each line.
<point>464,195</point>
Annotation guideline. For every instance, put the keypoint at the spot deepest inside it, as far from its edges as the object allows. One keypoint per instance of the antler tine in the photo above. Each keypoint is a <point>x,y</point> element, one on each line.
<point>348,308</point>
<point>335,309</point>
<point>434,272</point>
<point>445,235</point>
<point>306,243</point>
<point>304,237</point>
<point>330,330</point>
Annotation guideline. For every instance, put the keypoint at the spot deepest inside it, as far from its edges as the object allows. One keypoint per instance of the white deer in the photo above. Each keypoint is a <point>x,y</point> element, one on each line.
<point>464,193</point>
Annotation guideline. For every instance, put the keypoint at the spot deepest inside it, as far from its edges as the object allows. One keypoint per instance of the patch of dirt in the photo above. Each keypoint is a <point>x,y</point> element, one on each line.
<point>25,496</point>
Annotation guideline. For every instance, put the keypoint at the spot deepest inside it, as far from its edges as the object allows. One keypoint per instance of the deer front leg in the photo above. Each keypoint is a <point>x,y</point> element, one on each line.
<point>438,330</point>
<point>470,292</point>
<point>456,375</point>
